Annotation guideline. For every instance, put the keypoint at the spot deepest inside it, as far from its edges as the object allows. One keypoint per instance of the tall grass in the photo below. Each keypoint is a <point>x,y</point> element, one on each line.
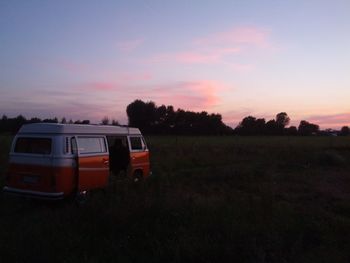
<point>243,199</point>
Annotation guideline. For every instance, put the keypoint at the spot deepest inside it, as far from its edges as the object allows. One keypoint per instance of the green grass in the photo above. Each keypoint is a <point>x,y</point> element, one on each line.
<point>231,199</point>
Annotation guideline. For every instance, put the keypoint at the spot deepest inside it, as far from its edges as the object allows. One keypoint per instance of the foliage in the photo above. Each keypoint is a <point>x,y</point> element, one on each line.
<point>151,119</point>
<point>253,126</point>
<point>345,131</point>
<point>306,128</point>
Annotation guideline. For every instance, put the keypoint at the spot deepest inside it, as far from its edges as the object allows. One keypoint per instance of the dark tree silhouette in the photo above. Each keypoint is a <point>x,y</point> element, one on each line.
<point>105,121</point>
<point>164,120</point>
<point>142,115</point>
<point>282,119</point>
<point>115,122</point>
<point>305,128</point>
<point>251,126</point>
<point>292,131</point>
<point>271,128</point>
<point>345,131</point>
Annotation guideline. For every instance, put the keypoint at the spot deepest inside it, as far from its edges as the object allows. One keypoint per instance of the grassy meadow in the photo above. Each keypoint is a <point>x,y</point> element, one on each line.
<point>210,199</point>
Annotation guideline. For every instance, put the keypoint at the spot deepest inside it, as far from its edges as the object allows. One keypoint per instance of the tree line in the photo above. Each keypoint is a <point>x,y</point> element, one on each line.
<point>151,119</point>
<point>278,126</point>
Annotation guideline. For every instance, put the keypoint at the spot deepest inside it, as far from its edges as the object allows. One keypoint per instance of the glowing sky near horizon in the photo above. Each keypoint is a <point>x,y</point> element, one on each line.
<point>90,59</point>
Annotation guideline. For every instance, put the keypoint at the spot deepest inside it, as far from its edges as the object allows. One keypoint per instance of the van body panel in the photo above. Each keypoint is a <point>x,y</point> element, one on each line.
<point>140,161</point>
<point>93,172</point>
<point>66,179</point>
<point>31,176</point>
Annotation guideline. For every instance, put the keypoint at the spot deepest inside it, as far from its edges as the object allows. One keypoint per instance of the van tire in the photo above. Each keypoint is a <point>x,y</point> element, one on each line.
<point>82,197</point>
<point>137,176</point>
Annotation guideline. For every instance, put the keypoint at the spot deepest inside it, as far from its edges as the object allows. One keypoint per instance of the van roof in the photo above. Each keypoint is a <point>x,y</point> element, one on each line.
<point>56,128</point>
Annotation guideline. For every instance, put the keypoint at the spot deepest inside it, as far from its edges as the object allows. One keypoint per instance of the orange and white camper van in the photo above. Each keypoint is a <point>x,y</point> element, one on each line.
<point>52,161</point>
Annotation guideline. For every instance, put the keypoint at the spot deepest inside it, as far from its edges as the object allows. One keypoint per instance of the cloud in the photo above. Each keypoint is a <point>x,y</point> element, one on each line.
<point>196,56</point>
<point>331,121</point>
<point>190,95</point>
<point>121,81</point>
<point>135,77</point>
<point>129,45</point>
<point>100,86</point>
<point>220,47</point>
<point>73,67</point>
<point>237,36</point>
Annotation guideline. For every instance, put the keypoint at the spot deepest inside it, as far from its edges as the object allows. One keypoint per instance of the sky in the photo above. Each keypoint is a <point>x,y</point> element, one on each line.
<point>90,59</point>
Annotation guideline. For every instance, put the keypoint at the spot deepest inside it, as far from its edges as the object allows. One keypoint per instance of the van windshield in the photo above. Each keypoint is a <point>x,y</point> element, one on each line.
<point>33,145</point>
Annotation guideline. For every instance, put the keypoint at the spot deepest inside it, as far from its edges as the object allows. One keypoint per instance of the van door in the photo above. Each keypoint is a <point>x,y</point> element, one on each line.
<point>93,162</point>
<point>139,156</point>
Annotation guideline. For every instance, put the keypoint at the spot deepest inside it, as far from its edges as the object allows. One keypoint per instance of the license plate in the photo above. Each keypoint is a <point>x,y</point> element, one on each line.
<point>30,179</point>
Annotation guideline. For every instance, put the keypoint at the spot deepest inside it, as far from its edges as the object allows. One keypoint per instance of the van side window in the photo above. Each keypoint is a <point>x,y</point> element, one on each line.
<point>33,145</point>
<point>74,146</point>
<point>89,145</point>
<point>136,143</point>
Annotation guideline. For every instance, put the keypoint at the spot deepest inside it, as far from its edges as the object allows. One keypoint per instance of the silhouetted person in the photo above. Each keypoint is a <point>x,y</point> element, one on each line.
<point>119,157</point>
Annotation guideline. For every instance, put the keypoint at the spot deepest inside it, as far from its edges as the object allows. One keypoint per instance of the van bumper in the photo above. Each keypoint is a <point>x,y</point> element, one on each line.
<point>33,194</point>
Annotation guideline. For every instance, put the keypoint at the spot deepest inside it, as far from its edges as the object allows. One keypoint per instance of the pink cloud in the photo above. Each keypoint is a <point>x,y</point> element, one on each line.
<point>129,45</point>
<point>73,67</point>
<point>189,95</point>
<point>196,56</point>
<point>100,86</point>
<point>211,56</point>
<point>217,47</point>
<point>331,120</point>
<point>132,77</point>
<point>242,67</point>
<point>244,35</point>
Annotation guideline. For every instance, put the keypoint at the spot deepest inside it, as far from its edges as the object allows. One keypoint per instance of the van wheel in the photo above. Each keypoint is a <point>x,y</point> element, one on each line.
<point>82,197</point>
<point>137,177</point>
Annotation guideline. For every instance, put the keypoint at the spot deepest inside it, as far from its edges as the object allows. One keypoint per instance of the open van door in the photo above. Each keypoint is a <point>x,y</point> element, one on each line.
<point>139,157</point>
<point>93,162</point>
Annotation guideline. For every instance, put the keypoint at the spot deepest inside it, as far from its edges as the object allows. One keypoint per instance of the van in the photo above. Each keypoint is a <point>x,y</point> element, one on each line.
<point>53,161</point>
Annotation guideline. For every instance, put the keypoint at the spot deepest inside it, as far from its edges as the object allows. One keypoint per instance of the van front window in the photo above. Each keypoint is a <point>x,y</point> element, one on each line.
<point>33,145</point>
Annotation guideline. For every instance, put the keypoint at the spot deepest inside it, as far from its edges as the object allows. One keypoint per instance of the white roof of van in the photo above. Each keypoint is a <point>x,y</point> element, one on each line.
<point>56,128</point>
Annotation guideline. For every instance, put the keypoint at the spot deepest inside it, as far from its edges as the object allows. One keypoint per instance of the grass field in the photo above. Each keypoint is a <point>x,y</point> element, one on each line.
<point>210,199</point>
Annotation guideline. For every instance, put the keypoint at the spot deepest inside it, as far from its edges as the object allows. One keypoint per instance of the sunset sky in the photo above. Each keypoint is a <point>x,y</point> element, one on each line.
<point>90,59</point>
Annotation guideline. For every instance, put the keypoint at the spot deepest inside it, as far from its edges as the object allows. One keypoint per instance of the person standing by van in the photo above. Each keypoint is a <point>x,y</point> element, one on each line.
<point>119,157</point>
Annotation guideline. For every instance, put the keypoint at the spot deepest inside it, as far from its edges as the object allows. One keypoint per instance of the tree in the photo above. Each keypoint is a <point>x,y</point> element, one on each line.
<point>142,115</point>
<point>345,131</point>
<point>271,128</point>
<point>305,128</point>
<point>85,122</point>
<point>115,122</point>
<point>164,120</point>
<point>251,126</point>
<point>292,131</point>
<point>282,119</point>
<point>105,121</point>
